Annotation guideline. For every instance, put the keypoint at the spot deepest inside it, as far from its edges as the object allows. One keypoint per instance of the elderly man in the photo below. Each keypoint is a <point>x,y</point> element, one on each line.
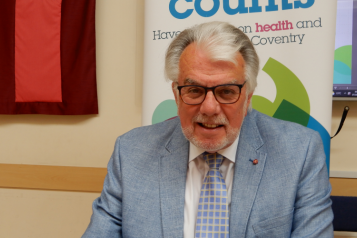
<point>220,169</point>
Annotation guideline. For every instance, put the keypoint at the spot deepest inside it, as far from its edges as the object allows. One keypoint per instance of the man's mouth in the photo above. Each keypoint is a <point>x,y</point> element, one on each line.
<point>209,126</point>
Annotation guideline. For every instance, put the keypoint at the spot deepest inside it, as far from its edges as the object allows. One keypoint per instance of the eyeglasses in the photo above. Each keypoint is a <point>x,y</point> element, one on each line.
<point>224,93</point>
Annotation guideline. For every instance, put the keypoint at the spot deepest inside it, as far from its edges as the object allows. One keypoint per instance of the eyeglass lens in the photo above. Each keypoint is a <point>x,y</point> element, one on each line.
<point>223,94</point>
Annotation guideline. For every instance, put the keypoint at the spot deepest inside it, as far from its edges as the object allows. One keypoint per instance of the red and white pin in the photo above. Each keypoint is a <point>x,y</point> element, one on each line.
<point>255,162</point>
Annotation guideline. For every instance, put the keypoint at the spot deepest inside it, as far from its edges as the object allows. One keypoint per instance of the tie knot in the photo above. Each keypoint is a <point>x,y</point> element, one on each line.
<point>213,160</point>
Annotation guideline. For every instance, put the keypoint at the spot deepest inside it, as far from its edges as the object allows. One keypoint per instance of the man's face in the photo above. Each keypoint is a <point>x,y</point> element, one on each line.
<point>211,125</point>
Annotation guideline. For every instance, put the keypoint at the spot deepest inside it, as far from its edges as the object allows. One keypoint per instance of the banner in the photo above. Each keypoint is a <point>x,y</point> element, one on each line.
<point>47,57</point>
<point>294,41</point>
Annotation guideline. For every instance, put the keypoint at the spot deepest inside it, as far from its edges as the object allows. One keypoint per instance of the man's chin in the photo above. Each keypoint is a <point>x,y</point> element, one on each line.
<point>212,146</point>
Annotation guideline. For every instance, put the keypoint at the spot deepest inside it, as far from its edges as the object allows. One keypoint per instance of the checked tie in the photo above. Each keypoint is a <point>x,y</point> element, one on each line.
<point>212,216</point>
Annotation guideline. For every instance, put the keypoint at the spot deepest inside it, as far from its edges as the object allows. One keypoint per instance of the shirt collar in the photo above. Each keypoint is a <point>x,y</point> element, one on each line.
<point>229,152</point>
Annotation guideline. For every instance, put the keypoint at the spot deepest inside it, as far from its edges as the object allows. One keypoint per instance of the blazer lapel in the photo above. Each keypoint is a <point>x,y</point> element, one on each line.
<point>246,176</point>
<point>173,170</point>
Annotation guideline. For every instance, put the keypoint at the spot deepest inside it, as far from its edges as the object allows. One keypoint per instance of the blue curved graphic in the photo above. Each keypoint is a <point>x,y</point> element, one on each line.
<point>325,136</point>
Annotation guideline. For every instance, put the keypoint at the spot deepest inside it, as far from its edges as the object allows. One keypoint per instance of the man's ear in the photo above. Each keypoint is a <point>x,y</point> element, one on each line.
<point>175,92</point>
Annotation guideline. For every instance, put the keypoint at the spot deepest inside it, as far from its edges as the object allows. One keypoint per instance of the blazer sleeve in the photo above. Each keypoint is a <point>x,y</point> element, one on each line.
<point>313,214</point>
<point>106,220</point>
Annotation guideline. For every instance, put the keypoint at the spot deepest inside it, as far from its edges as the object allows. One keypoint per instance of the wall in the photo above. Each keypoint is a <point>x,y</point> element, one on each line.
<point>84,141</point>
<point>87,141</point>
<point>343,146</point>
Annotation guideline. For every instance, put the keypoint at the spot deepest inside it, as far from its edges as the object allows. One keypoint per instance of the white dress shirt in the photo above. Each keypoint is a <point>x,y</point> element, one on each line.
<point>197,170</point>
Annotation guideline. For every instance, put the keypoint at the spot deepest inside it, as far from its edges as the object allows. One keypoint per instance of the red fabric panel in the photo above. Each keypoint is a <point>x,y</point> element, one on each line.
<point>78,56</point>
<point>37,51</point>
<point>7,65</point>
<point>78,67</point>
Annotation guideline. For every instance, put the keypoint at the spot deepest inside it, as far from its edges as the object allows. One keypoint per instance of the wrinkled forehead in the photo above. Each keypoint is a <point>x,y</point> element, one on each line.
<point>210,55</point>
<point>196,65</point>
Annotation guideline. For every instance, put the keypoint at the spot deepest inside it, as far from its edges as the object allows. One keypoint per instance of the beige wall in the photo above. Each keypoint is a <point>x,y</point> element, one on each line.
<point>40,214</point>
<point>343,146</point>
<point>88,141</point>
<point>85,141</point>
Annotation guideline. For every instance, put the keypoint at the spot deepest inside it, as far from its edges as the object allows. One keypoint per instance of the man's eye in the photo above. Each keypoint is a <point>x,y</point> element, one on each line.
<point>227,92</point>
<point>194,90</point>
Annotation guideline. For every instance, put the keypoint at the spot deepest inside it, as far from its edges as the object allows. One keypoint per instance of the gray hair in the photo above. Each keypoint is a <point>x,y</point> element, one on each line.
<point>221,41</point>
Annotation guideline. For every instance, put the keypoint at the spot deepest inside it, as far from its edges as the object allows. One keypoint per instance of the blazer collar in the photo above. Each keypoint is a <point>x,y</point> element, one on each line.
<point>177,139</point>
<point>173,171</point>
<point>247,176</point>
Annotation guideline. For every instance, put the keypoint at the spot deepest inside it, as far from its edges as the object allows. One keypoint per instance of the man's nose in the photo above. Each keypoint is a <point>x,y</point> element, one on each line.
<point>210,106</point>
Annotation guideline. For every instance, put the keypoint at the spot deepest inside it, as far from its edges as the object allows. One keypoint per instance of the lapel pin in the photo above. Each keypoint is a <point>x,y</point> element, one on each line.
<point>255,162</point>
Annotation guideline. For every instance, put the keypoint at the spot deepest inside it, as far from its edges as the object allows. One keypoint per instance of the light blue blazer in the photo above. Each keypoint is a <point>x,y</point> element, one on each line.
<point>287,194</point>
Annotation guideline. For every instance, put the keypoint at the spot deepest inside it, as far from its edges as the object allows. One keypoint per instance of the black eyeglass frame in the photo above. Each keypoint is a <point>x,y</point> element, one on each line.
<point>240,86</point>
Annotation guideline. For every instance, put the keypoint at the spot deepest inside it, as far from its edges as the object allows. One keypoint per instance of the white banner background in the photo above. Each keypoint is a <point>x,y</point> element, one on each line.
<point>310,57</point>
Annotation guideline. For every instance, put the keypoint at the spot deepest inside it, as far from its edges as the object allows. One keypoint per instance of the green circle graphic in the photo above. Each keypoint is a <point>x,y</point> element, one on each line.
<point>165,110</point>
<point>292,101</point>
